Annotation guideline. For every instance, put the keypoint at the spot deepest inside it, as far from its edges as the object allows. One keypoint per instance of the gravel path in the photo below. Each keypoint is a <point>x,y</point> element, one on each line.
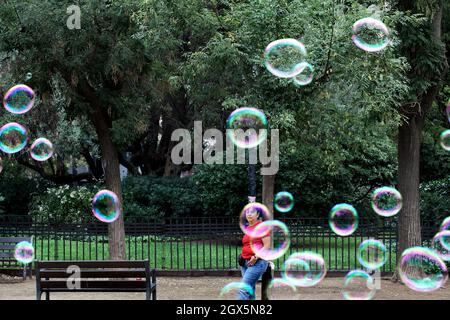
<point>208,288</point>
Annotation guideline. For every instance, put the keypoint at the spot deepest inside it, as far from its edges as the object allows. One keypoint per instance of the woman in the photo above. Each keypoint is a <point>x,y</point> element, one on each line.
<point>253,266</point>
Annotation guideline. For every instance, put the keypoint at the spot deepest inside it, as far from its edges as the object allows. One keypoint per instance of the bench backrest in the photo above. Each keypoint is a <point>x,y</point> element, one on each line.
<point>94,275</point>
<point>7,246</point>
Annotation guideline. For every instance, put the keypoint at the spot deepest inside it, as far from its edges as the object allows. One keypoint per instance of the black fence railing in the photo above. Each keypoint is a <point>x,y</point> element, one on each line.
<point>203,243</point>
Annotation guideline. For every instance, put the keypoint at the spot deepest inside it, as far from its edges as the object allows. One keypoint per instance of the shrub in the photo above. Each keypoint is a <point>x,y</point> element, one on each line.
<point>435,200</point>
<point>223,189</point>
<point>18,187</point>
<point>64,204</point>
<point>160,197</point>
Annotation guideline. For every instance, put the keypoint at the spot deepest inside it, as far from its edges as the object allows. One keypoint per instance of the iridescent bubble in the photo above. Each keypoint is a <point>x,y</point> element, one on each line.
<point>41,149</point>
<point>19,99</point>
<point>283,57</point>
<point>29,76</point>
<point>445,140</point>
<point>24,252</point>
<point>305,76</point>
<point>280,289</point>
<point>13,137</point>
<point>232,290</point>
<point>370,35</point>
<point>247,127</point>
<point>304,269</point>
<point>343,219</point>
<point>445,225</point>
<point>254,210</point>
<point>372,254</point>
<point>280,237</point>
<point>448,112</point>
<point>386,201</point>
<point>284,201</point>
<point>422,269</point>
<point>1,165</point>
<point>106,206</point>
<point>441,244</point>
<point>358,285</point>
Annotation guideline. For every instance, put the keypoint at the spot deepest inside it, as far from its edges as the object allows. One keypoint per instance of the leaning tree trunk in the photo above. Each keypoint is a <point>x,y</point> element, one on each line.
<point>110,158</point>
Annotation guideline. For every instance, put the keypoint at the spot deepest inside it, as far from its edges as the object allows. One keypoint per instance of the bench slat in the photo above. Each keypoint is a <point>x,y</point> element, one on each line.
<point>95,290</point>
<point>101,273</point>
<point>7,255</point>
<point>14,239</point>
<point>91,264</point>
<point>7,246</point>
<point>96,284</point>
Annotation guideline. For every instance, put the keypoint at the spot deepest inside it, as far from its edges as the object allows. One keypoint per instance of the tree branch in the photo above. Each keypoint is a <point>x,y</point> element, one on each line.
<point>58,179</point>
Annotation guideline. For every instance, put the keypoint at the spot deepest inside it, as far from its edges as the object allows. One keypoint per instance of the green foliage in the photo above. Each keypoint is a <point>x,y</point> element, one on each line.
<point>338,134</point>
<point>64,204</point>
<point>160,197</point>
<point>222,189</point>
<point>435,200</point>
<point>319,179</point>
<point>17,188</point>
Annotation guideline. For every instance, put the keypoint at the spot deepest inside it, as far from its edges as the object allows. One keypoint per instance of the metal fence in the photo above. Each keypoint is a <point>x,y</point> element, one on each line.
<point>187,244</point>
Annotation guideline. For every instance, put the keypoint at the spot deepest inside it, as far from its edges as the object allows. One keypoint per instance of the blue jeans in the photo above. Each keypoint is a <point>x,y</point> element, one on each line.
<point>250,276</point>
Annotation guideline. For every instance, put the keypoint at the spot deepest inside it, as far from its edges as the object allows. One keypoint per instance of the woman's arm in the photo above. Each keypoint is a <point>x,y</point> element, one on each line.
<point>266,245</point>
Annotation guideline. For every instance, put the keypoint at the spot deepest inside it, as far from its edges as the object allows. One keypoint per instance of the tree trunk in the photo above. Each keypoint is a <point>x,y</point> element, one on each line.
<point>409,140</point>
<point>268,183</point>
<point>116,229</point>
<point>408,147</point>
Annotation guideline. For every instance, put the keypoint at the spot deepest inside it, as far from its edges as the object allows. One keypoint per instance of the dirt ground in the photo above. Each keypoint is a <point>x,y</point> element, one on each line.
<point>208,288</point>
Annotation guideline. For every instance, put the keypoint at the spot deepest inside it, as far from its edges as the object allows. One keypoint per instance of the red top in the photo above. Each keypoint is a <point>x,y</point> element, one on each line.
<point>247,251</point>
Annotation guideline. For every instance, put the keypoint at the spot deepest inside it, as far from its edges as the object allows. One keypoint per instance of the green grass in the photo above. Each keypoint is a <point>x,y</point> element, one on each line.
<point>176,254</point>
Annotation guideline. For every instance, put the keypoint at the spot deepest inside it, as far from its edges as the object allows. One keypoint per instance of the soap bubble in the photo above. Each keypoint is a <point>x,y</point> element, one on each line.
<point>41,149</point>
<point>370,35</point>
<point>283,57</point>
<point>24,252</point>
<point>358,285</point>
<point>13,137</point>
<point>247,127</point>
<point>284,201</point>
<point>19,99</point>
<point>372,254</point>
<point>445,224</point>
<point>386,201</point>
<point>445,140</point>
<point>304,269</point>
<point>441,244</point>
<point>254,210</point>
<point>232,291</point>
<point>281,289</point>
<point>343,219</point>
<point>280,236</point>
<point>422,269</point>
<point>106,206</point>
<point>305,76</point>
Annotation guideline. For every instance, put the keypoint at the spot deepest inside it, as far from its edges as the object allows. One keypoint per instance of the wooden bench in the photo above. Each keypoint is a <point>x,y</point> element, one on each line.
<point>7,248</point>
<point>95,276</point>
